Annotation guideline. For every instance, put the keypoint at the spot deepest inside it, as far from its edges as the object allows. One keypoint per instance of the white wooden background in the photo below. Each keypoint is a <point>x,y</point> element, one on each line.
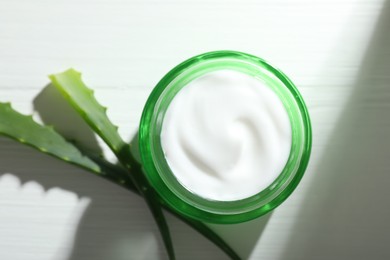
<point>336,51</point>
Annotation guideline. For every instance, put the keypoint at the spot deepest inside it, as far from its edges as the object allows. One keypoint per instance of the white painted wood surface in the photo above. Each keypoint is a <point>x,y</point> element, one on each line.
<point>337,53</point>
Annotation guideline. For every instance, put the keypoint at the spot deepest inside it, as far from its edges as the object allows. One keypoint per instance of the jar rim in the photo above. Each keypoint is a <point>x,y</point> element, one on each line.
<point>157,170</point>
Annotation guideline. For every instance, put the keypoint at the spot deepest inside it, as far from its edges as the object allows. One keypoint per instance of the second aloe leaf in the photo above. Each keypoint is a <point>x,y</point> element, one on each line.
<point>81,98</point>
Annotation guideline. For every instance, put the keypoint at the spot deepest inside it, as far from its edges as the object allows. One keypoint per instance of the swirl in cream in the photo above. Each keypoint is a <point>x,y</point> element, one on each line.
<point>226,136</point>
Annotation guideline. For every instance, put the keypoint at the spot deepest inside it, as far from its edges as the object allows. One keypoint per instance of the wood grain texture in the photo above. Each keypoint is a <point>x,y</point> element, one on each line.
<point>337,53</point>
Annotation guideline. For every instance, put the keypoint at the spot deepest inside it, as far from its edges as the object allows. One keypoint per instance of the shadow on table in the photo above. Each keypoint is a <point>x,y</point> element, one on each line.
<point>347,209</point>
<point>116,224</point>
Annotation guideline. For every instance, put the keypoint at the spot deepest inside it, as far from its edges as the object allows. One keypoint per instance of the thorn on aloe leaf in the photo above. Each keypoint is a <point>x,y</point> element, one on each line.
<point>42,149</point>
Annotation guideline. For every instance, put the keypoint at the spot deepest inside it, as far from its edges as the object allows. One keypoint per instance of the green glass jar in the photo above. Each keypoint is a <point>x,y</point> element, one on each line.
<point>160,175</point>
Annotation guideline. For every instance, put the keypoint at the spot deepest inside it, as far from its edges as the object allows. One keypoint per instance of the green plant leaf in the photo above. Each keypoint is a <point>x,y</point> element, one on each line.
<point>25,130</point>
<point>74,90</point>
<point>81,98</point>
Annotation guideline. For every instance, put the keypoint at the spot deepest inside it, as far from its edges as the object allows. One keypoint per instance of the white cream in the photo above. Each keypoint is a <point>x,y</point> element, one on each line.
<point>226,136</point>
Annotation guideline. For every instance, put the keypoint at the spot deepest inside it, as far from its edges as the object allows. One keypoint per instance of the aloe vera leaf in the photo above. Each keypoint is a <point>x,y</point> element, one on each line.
<point>81,98</point>
<point>74,90</point>
<point>25,130</point>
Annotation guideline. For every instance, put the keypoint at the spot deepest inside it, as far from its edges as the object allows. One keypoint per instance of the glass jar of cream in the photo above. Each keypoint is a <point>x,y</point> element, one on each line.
<point>224,137</point>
